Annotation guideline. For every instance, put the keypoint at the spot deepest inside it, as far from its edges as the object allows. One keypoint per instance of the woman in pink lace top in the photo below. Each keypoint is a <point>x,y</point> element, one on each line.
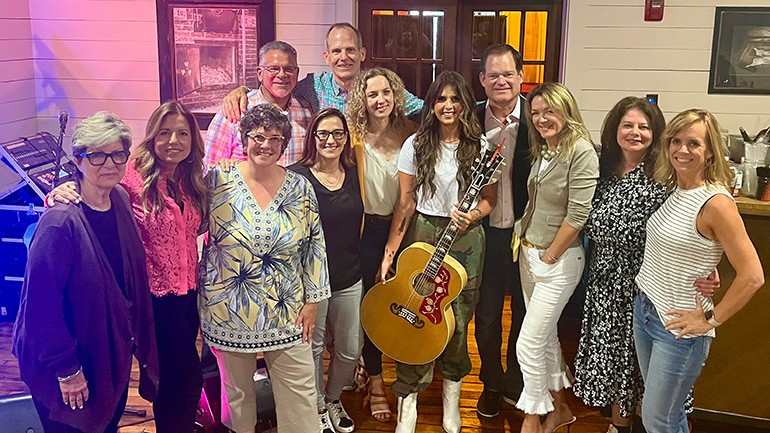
<point>164,181</point>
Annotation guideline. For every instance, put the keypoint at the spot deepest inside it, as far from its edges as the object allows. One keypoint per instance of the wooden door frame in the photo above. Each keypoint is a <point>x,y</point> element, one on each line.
<point>451,18</point>
<point>553,38</point>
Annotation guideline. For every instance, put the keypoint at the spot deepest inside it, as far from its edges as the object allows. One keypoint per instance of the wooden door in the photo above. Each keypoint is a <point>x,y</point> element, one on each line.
<point>532,27</point>
<point>417,39</point>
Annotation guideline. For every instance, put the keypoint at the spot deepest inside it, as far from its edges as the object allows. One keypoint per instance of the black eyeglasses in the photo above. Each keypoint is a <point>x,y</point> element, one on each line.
<point>323,135</point>
<point>275,70</point>
<point>99,158</point>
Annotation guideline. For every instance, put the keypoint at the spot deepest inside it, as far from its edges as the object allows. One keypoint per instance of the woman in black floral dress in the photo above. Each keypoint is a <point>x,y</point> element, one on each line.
<point>606,368</point>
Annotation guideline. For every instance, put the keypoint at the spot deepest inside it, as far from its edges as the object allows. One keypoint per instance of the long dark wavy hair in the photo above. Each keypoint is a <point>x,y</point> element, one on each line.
<point>189,173</point>
<point>427,141</point>
<point>612,155</point>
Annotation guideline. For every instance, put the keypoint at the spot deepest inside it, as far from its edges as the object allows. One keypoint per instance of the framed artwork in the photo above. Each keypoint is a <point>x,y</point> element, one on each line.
<point>206,49</point>
<point>740,51</point>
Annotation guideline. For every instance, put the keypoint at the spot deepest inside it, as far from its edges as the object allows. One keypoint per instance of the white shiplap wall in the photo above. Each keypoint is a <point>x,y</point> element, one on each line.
<point>612,52</point>
<point>17,77</point>
<point>92,55</point>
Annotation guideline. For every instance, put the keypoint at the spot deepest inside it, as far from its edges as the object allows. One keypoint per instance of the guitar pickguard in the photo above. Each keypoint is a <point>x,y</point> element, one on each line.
<point>431,305</point>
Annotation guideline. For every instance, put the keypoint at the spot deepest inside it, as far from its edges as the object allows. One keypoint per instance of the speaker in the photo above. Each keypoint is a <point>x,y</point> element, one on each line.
<point>18,414</point>
<point>208,417</point>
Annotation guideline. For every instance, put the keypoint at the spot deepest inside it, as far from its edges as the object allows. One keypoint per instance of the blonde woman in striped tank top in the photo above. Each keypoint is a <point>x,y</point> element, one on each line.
<point>673,324</point>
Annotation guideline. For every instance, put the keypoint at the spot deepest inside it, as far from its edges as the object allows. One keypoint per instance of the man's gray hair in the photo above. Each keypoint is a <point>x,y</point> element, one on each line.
<point>276,46</point>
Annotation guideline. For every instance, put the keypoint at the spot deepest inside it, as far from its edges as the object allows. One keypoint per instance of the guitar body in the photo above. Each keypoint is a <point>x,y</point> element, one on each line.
<point>411,319</point>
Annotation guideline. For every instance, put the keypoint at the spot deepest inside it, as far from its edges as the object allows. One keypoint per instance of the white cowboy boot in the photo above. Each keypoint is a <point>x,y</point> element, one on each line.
<point>407,414</point>
<point>452,423</point>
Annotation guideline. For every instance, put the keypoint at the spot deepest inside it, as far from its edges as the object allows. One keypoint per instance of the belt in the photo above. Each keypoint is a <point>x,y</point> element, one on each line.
<point>379,217</point>
<point>529,244</point>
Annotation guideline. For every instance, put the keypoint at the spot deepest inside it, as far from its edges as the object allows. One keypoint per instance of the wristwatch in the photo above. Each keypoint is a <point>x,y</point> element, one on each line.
<point>709,315</point>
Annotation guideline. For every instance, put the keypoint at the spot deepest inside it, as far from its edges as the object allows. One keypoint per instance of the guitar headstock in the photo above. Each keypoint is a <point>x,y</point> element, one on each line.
<point>488,163</point>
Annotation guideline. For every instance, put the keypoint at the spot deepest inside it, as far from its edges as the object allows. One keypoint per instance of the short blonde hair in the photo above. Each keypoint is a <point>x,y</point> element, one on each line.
<point>716,170</point>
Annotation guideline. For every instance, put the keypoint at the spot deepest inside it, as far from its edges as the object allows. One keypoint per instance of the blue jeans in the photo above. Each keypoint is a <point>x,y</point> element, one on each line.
<point>669,368</point>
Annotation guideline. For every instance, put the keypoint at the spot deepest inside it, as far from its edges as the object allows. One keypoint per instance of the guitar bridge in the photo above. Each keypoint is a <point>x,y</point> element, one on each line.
<point>406,314</point>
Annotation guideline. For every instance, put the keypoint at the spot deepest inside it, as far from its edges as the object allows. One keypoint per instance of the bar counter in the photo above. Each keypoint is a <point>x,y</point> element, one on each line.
<point>735,383</point>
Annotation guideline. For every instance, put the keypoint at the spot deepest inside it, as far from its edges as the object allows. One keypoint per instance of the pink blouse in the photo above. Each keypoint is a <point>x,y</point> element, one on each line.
<point>169,238</point>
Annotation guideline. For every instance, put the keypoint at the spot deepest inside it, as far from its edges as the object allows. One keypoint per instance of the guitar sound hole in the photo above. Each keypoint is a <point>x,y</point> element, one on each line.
<point>422,285</point>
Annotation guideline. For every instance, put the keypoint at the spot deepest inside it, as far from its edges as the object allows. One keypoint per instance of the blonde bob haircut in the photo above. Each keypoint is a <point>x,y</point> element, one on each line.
<point>716,170</point>
<point>563,104</point>
<point>358,116</point>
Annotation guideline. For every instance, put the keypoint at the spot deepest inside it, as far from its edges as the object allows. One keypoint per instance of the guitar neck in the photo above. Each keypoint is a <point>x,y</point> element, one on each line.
<point>450,233</point>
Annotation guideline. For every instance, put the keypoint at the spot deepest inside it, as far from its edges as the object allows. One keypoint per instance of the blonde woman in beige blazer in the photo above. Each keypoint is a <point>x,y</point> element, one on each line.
<point>561,185</point>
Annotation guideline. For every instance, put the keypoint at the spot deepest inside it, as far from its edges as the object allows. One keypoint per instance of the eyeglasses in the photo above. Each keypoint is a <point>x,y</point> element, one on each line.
<point>99,158</point>
<point>273,140</point>
<point>323,135</point>
<point>275,70</point>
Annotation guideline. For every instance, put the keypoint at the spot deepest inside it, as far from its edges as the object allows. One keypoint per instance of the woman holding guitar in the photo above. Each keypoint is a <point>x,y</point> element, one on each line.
<point>561,183</point>
<point>434,168</point>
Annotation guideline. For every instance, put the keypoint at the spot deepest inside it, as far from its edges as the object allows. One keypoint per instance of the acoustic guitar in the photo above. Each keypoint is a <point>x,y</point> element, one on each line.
<point>409,317</point>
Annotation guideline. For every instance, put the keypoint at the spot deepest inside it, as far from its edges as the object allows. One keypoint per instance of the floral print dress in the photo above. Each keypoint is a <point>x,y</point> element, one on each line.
<point>606,368</point>
<point>260,265</point>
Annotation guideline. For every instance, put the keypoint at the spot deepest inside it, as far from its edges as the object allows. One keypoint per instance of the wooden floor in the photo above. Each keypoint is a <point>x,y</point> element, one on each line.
<point>429,402</point>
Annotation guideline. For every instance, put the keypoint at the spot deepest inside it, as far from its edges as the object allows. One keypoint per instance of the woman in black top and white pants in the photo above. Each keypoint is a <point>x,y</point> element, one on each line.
<point>328,163</point>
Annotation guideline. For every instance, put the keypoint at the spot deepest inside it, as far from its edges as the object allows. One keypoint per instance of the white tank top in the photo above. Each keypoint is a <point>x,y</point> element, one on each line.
<point>676,254</point>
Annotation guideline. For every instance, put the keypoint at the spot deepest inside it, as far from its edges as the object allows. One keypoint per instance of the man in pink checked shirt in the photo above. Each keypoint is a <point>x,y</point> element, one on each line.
<point>277,74</point>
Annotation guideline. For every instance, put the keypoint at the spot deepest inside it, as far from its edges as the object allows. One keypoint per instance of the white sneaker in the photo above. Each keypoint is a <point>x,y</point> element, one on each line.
<point>324,423</point>
<point>340,419</point>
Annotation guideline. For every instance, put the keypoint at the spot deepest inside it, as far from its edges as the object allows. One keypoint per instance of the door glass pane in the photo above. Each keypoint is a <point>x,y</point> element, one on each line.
<point>535,33</point>
<point>383,26</point>
<point>429,71</point>
<point>408,72</point>
<point>533,73</point>
<point>511,28</point>
<point>483,32</point>
<point>407,35</point>
<point>431,42</point>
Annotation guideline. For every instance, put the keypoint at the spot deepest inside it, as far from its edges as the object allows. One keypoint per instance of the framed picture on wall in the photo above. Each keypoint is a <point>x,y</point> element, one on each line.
<point>740,51</point>
<point>206,49</point>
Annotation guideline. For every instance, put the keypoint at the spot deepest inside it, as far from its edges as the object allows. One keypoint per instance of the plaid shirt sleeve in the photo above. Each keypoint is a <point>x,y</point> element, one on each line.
<point>222,141</point>
<point>413,104</point>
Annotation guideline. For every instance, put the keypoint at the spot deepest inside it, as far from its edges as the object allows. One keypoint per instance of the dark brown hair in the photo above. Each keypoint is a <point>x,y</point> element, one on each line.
<point>612,155</point>
<point>310,152</point>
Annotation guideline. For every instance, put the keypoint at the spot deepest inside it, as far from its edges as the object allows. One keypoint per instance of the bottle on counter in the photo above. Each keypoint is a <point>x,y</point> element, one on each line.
<point>763,183</point>
<point>737,181</point>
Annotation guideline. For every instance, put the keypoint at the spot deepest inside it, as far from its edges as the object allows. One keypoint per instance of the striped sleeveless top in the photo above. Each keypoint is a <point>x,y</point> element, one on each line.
<point>676,254</point>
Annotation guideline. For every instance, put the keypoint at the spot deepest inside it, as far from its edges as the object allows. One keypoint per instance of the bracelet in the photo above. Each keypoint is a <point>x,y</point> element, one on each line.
<point>71,376</point>
<point>548,253</point>
<point>481,214</point>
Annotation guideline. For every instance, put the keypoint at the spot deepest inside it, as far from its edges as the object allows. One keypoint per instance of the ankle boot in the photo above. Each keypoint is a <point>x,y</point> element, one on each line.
<point>452,423</point>
<point>407,414</point>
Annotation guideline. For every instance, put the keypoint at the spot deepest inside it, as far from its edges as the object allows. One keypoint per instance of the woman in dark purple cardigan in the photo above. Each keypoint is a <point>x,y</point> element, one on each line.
<point>85,306</point>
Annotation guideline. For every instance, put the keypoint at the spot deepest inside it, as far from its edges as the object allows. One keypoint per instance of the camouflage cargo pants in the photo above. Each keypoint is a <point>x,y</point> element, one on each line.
<point>454,362</point>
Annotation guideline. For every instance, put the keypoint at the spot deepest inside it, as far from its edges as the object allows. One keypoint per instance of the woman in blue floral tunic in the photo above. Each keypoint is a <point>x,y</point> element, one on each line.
<point>264,272</point>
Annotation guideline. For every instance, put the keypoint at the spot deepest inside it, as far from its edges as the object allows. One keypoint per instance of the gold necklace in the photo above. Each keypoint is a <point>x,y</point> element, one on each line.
<point>327,180</point>
<point>547,153</point>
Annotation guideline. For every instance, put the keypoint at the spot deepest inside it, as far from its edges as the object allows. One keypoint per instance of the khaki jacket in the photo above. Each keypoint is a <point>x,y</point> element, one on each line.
<point>563,192</point>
